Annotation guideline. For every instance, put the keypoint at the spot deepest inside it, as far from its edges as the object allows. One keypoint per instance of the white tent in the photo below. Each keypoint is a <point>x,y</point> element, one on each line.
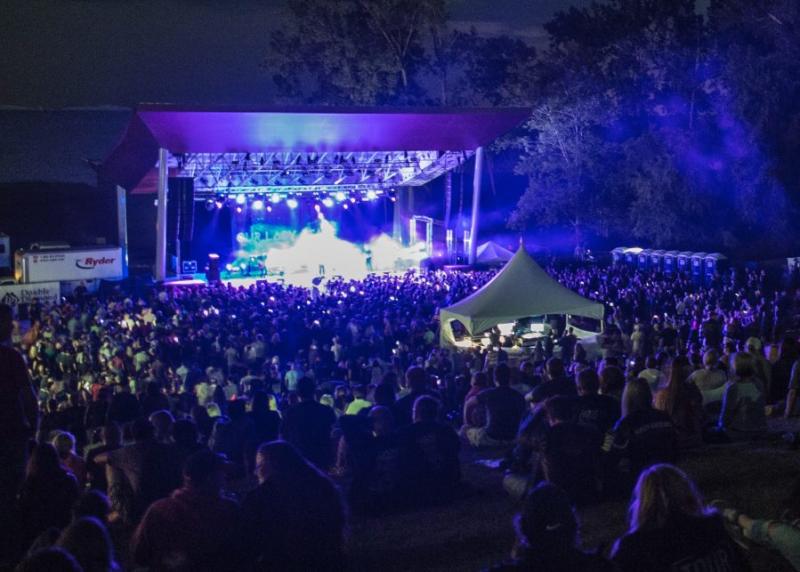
<point>520,290</point>
<point>492,253</point>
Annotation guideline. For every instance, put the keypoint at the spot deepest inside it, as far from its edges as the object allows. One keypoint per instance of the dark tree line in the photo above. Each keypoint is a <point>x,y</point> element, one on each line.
<point>649,119</point>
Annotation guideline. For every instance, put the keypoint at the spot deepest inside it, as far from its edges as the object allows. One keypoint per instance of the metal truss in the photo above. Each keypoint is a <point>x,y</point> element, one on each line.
<point>297,173</point>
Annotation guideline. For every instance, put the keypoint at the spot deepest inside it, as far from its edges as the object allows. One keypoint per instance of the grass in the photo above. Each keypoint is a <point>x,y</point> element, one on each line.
<point>476,532</point>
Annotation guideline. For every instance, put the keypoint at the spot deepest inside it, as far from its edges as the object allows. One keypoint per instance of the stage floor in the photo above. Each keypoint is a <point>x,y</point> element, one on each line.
<point>304,279</point>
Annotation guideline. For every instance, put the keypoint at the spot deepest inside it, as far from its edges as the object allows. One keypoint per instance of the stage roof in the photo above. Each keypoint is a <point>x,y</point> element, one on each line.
<point>202,134</point>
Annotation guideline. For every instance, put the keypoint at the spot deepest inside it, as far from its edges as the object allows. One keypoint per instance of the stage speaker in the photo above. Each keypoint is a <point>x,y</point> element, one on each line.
<point>181,196</point>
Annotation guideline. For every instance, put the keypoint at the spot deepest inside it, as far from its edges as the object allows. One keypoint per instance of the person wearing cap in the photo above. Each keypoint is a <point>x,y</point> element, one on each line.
<point>196,528</point>
<point>547,536</point>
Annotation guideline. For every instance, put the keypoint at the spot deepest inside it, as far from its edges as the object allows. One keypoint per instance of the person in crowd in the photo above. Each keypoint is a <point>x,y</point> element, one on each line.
<point>360,402</point>
<point>743,415</point>
<point>547,536</point>
<point>162,422</point>
<point>196,527</point>
<point>474,411</point>
<point>710,380</point>
<point>232,436</point>
<point>307,425</point>
<point>642,437</point>
<point>781,534</point>
<point>672,529</point>
<point>504,410</point>
<point>19,417</point>
<point>89,542</point>
<point>140,473</point>
<point>417,383</point>
<point>110,440</point>
<point>64,444</point>
<point>47,494</point>
<point>92,503</point>
<point>556,383</point>
<point>571,453</point>
<point>652,374</point>
<point>266,422</point>
<point>683,402</point>
<point>612,381</point>
<point>52,559</point>
<point>295,518</point>
<point>590,408</point>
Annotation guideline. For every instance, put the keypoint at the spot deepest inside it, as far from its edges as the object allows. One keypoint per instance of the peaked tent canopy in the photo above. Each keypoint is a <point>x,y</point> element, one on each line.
<point>492,253</point>
<point>520,290</point>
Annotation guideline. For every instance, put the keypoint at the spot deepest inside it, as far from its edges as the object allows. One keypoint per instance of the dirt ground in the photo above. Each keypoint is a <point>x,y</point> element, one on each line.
<point>476,532</point>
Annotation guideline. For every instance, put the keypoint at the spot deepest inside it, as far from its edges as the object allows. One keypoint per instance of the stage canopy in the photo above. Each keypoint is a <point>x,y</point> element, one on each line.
<point>520,290</point>
<point>300,150</point>
<point>492,254</point>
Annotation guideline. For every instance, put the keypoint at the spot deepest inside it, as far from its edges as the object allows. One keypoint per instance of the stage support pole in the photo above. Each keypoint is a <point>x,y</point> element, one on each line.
<point>476,204</point>
<point>122,227</point>
<point>161,218</point>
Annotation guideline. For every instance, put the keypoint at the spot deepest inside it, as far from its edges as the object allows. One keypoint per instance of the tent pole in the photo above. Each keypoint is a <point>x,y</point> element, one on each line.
<point>476,204</point>
<point>161,218</point>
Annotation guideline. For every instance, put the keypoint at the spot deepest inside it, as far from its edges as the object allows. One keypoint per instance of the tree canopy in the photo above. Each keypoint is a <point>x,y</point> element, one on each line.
<point>650,120</point>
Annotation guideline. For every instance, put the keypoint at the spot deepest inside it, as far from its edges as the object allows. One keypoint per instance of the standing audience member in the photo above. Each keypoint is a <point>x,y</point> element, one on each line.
<point>295,517</point>
<point>196,528</point>
<point>47,495</point>
<point>307,425</point>
<point>19,417</point>
<point>89,542</point>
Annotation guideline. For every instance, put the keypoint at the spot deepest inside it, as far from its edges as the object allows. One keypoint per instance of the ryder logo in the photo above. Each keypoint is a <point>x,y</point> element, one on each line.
<point>90,263</point>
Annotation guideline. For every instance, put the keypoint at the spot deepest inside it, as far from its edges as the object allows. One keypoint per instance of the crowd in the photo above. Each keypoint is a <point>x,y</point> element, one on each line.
<point>223,428</point>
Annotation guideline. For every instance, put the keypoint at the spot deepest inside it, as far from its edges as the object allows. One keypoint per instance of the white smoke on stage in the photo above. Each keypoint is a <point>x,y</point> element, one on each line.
<point>300,258</point>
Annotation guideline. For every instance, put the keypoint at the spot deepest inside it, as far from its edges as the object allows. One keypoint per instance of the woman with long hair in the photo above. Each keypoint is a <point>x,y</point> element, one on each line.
<point>643,435</point>
<point>296,513</point>
<point>683,402</point>
<point>47,494</point>
<point>670,528</point>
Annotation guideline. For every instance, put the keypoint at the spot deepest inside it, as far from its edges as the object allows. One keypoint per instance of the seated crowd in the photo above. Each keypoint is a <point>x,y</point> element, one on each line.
<point>233,428</point>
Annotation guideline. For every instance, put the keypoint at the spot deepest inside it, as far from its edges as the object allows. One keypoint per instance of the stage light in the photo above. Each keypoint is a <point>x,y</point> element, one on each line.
<point>328,202</point>
<point>317,208</point>
<point>240,199</point>
<point>269,208</point>
<point>219,203</point>
<point>209,205</point>
<point>258,204</point>
<point>371,195</point>
<point>345,206</point>
<point>291,203</point>
<point>341,197</point>
<point>275,199</point>
<point>352,199</point>
<point>239,210</point>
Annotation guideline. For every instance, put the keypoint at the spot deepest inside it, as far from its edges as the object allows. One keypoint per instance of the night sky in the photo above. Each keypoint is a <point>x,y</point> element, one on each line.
<point>60,53</point>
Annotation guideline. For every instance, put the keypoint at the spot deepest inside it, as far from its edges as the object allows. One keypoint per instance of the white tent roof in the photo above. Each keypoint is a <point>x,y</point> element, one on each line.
<point>520,290</point>
<point>492,253</point>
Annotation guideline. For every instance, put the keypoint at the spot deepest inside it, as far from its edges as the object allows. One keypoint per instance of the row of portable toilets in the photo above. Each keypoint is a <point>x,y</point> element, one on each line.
<point>701,265</point>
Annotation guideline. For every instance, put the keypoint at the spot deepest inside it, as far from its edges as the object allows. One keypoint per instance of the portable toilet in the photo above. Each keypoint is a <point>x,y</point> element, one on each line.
<point>670,261</point>
<point>644,259</point>
<point>714,264</point>
<point>698,265</point>
<point>618,255</point>
<point>657,259</point>
<point>632,255</point>
<point>684,261</point>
